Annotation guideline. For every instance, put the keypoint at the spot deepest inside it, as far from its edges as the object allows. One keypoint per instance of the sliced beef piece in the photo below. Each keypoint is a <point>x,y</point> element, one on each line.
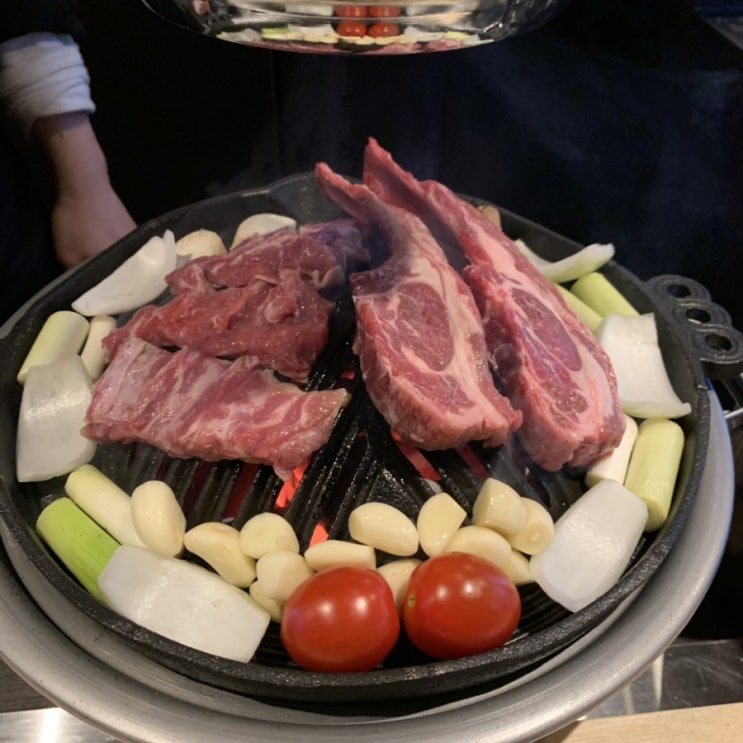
<point>419,336</point>
<point>550,365</point>
<point>284,325</point>
<point>191,405</point>
<point>322,254</point>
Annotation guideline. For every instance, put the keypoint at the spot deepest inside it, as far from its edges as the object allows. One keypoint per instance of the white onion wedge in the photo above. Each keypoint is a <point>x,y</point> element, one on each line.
<point>55,399</point>
<point>184,602</point>
<point>593,543</point>
<point>137,281</point>
<point>643,386</point>
<point>589,259</point>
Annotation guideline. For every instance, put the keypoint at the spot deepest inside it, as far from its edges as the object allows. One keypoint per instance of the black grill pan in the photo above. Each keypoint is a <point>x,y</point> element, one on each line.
<point>360,462</point>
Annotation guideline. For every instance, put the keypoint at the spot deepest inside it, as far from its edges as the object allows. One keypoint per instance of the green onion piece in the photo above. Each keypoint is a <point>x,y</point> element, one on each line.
<point>82,546</point>
<point>589,317</point>
<point>600,295</point>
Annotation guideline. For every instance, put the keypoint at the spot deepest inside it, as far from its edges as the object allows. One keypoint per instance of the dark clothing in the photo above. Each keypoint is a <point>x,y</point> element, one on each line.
<point>22,17</point>
<point>618,121</point>
<point>26,249</point>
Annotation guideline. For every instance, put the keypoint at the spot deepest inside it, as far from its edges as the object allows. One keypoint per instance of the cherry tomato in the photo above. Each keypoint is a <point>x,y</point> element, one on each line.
<point>340,620</point>
<point>458,604</point>
<point>384,11</point>
<point>351,28</point>
<point>351,11</point>
<point>384,28</point>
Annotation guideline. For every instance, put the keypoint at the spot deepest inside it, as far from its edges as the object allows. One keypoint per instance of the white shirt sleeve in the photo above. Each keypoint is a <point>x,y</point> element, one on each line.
<point>42,74</point>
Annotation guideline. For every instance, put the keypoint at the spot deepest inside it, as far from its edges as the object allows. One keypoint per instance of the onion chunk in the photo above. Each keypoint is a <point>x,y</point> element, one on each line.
<point>137,281</point>
<point>593,544</point>
<point>644,388</point>
<point>55,399</point>
<point>586,260</point>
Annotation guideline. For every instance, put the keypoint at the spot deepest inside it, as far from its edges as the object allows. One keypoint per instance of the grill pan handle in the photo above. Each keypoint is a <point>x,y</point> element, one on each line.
<point>718,344</point>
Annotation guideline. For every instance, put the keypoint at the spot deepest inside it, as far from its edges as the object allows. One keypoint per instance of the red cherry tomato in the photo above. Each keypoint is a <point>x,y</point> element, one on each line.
<point>340,620</point>
<point>351,11</point>
<point>351,28</point>
<point>384,28</point>
<point>384,11</point>
<point>458,604</point>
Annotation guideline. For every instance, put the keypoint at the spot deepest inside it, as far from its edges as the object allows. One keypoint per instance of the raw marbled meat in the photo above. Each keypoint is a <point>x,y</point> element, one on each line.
<point>191,405</point>
<point>419,336</point>
<point>549,364</point>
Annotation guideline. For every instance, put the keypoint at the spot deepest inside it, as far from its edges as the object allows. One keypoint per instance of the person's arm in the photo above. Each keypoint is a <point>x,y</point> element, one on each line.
<point>45,94</point>
<point>88,215</point>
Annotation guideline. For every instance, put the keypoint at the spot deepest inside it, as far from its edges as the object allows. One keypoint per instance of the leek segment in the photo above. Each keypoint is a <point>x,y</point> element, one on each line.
<point>82,546</point>
<point>62,334</point>
<point>595,290</point>
<point>175,598</point>
<point>653,467</point>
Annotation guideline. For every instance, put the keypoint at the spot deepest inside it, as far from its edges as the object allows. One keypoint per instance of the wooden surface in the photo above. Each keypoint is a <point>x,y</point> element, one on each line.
<point>717,724</point>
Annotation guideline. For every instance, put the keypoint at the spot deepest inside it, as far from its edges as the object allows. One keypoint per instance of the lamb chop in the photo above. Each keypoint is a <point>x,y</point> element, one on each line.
<point>419,337</point>
<point>549,364</point>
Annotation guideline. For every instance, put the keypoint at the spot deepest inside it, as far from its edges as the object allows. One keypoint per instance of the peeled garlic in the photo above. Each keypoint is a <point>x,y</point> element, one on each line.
<point>498,506</point>
<point>335,552</point>
<point>397,574</point>
<point>479,540</point>
<point>93,353</point>
<point>274,607</point>
<point>158,518</point>
<point>537,533</point>
<point>262,224</point>
<point>281,572</point>
<point>385,528</point>
<point>439,517</point>
<point>200,243</point>
<point>219,545</point>
<point>518,568</point>
<point>267,532</point>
